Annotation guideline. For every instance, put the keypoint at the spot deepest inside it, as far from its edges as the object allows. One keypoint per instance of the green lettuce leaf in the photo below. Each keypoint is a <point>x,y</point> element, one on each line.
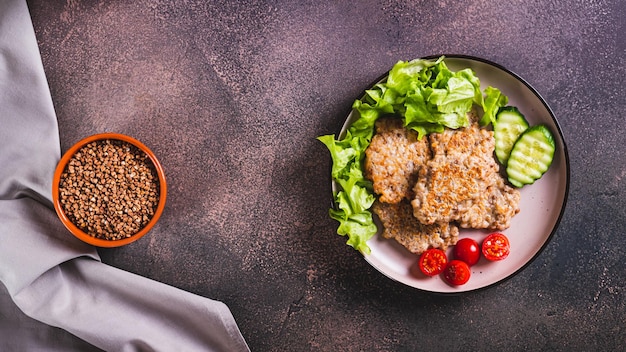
<point>458,96</point>
<point>358,227</point>
<point>404,75</point>
<point>491,103</point>
<point>353,203</point>
<point>340,154</point>
<point>429,97</point>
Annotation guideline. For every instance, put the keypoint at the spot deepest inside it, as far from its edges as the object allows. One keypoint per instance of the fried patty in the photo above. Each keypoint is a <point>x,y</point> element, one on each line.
<point>400,224</point>
<point>393,160</point>
<point>462,183</point>
<point>429,188</point>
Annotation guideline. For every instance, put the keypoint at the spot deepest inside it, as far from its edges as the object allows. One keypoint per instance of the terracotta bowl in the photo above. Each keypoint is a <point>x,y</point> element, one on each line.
<point>102,240</point>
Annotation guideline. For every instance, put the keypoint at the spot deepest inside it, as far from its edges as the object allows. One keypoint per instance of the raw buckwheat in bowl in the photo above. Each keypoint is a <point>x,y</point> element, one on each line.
<point>109,190</point>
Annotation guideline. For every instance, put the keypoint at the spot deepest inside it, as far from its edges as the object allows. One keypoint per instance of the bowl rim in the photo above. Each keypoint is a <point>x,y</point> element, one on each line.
<point>85,237</point>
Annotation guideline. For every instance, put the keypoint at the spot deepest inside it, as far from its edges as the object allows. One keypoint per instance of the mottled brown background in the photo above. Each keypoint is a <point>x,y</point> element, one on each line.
<point>231,94</point>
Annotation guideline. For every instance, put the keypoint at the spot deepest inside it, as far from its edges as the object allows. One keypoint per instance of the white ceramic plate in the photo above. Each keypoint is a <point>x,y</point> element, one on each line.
<point>541,207</point>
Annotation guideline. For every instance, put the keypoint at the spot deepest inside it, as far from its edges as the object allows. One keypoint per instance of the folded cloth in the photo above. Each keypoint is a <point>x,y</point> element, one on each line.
<point>19,332</point>
<point>53,277</point>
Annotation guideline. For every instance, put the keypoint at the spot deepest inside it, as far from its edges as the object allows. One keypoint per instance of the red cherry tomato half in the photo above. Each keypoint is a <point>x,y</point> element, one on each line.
<point>496,246</point>
<point>433,261</point>
<point>467,250</point>
<point>457,272</point>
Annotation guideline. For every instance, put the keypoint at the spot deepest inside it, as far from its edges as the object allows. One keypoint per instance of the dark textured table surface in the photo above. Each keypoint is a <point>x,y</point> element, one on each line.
<point>231,94</point>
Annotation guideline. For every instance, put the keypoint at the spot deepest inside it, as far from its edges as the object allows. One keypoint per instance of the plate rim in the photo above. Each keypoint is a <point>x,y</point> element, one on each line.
<point>566,162</point>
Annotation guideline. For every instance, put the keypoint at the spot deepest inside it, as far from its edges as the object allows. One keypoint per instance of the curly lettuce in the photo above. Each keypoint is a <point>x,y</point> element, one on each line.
<point>428,97</point>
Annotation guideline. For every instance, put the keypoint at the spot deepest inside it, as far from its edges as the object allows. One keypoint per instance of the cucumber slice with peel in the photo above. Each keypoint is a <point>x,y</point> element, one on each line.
<point>531,156</point>
<point>510,124</point>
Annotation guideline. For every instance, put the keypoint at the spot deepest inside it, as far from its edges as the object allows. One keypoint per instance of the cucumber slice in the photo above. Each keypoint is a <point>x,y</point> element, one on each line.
<point>510,124</point>
<point>531,156</point>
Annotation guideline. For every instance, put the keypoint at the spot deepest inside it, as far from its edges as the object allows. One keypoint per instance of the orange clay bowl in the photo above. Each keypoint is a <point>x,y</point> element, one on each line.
<point>73,228</point>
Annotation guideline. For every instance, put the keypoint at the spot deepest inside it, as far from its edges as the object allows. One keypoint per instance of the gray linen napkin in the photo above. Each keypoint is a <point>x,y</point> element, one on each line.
<point>53,277</point>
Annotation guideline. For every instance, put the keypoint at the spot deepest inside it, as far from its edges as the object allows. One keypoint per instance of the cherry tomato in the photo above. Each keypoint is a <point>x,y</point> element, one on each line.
<point>457,272</point>
<point>467,250</point>
<point>496,246</point>
<point>433,261</point>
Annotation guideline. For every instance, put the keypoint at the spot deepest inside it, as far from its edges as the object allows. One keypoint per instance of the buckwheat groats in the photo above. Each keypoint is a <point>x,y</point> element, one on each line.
<point>109,189</point>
